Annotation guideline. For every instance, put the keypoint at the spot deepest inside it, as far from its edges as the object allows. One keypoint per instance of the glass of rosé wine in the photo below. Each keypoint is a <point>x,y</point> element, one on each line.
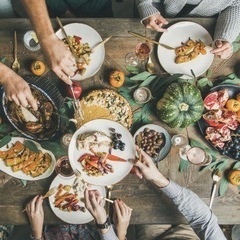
<point>141,52</point>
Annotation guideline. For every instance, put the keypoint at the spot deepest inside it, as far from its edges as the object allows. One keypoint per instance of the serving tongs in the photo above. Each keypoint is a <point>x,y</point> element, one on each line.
<point>151,40</point>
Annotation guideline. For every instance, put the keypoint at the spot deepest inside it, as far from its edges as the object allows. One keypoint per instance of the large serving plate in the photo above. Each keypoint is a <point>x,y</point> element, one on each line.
<point>20,174</point>
<point>167,146</point>
<point>233,90</point>
<point>176,34</point>
<point>46,134</point>
<point>90,36</point>
<point>78,217</point>
<point>121,169</point>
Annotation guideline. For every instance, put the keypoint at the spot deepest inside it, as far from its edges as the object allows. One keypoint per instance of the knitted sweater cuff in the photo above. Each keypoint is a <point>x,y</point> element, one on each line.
<point>146,10</point>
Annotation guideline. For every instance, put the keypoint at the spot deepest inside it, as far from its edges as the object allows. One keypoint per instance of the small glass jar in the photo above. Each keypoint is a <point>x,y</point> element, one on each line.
<point>142,95</point>
<point>179,140</point>
<point>30,41</point>
<point>66,138</point>
<point>63,167</point>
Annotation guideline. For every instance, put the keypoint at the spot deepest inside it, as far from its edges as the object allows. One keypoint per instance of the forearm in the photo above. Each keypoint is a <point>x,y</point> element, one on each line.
<point>197,213</point>
<point>5,73</point>
<point>38,14</point>
<point>228,24</point>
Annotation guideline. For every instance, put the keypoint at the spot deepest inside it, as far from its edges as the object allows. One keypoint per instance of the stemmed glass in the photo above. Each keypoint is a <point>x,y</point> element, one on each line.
<point>141,52</point>
<point>194,155</point>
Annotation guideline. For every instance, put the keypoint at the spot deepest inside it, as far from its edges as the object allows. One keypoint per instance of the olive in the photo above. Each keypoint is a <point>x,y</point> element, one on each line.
<point>119,135</point>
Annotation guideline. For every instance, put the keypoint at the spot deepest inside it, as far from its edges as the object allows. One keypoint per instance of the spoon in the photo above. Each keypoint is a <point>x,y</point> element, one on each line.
<point>150,66</point>
<point>16,64</point>
<point>217,175</point>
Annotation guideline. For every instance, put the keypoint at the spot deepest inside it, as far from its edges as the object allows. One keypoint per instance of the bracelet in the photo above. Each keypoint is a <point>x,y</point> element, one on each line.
<point>32,237</point>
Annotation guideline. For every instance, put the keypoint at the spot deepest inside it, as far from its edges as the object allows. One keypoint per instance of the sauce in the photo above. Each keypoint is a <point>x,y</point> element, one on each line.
<point>63,167</point>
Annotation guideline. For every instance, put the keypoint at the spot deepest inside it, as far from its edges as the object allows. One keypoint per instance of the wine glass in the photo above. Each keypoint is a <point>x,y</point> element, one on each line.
<point>141,52</point>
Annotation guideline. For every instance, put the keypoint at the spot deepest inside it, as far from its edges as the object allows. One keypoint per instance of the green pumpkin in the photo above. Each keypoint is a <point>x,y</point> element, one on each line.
<point>181,105</point>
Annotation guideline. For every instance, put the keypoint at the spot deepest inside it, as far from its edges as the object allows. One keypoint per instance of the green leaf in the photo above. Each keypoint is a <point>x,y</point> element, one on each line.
<point>5,140</point>
<point>2,59</point>
<point>62,110</point>
<point>133,70</point>
<point>55,147</point>
<point>31,145</point>
<point>183,165</point>
<point>210,166</point>
<point>195,143</point>
<point>231,79</point>
<point>141,76</point>
<point>158,89</point>
<point>6,128</point>
<point>23,181</point>
<point>148,81</point>
<point>223,185</point>
<point>236,165</point>
<point>204,82</point>
<point>209,72</point>
<point>222,165</point>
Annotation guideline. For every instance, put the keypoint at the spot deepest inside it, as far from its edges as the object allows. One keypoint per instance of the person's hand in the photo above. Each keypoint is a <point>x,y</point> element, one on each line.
<point>223,49</point>
<point>156,22</point>
<point>148,169</point>
<point>59,58</point>
<point>17,90</point>
<point>121,217</point>
<point>35,214</point>
<point>94,203</point>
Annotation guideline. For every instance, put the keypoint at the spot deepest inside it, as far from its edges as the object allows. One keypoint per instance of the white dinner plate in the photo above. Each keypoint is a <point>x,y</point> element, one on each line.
<point>90,36</point>
<point>167,146</point>
<point>20,174</point>
<point>78,217</point>
<point>121,169</point>
<point>176,34</point>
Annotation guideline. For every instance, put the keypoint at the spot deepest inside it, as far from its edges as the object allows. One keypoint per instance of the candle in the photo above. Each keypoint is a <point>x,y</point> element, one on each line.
<point>142,95</point>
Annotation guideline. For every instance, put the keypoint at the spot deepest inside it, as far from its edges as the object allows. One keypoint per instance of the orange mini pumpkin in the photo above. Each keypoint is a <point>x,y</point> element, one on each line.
<point>116,78</point>
<point>38,68</point>
<point>234,177</point>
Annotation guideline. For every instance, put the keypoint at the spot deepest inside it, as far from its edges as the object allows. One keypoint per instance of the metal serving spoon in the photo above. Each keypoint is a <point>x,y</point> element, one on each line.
<point>16,64</point>
<point>150,66</point>
<point>217,175</point>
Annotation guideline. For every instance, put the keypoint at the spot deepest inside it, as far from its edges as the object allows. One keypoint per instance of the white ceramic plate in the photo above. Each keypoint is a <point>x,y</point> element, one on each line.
<point>20,174</point>
<point>176,34</point>
<point>165,150</point>
<point>90,36</point>
<point>121,169</point>
<point>77,217</point>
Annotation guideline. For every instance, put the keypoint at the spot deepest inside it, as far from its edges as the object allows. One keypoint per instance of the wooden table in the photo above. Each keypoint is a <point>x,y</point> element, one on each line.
<point>149,206</point>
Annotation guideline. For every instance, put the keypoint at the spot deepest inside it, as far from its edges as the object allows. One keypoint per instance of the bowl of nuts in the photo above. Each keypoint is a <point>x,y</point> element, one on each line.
<point>154,140</point>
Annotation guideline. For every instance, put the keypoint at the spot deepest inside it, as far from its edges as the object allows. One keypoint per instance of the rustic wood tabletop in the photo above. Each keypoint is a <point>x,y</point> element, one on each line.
<point>148,204</point>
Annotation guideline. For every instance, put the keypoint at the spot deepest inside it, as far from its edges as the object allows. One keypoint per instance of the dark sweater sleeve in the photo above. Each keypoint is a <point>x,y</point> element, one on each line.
<point>197,213</point>
<point>57,7</point>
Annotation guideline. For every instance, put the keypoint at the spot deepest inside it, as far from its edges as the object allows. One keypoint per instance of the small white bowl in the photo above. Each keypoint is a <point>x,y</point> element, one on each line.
<point>30,41</point>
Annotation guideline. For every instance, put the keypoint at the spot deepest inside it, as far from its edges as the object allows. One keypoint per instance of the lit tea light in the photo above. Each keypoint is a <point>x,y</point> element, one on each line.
<point>30,41</point>
<point>66,138</point>
<point>142,95</point>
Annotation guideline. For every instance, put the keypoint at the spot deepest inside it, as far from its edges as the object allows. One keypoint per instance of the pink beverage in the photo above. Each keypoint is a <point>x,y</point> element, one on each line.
<point>143,50</point>
<point>198,156</point>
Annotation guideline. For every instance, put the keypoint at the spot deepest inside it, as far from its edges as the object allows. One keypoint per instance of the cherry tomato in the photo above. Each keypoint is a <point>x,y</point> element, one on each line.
<point>77,90</point>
